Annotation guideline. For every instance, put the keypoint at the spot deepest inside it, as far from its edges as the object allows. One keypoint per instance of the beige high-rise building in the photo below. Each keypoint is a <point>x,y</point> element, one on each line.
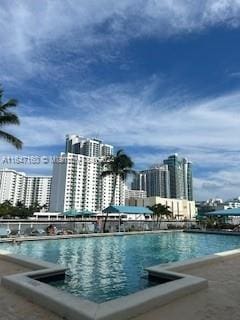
<point>131,196</point>
<point>181,208</point>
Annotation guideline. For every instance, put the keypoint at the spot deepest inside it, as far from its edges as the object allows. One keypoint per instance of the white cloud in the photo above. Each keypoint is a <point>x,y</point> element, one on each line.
<point>128,117</point>
<point>125,116</point>
<point>207,132</point>
<point>31,31</point>
<point>223,183</point>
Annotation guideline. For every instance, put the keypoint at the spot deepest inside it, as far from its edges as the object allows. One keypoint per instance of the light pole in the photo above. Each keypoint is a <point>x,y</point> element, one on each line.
<point>119,222</point>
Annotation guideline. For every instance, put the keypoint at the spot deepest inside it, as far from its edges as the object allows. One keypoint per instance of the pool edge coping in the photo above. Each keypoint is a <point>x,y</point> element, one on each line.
<point>84,235</point>
<point>72,307</point>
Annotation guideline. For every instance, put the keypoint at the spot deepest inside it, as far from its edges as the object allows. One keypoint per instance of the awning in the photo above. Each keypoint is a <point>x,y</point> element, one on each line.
<point>235,212</point>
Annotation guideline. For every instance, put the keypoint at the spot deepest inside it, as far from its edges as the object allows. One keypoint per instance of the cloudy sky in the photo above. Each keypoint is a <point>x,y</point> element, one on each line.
<point>153,77</point>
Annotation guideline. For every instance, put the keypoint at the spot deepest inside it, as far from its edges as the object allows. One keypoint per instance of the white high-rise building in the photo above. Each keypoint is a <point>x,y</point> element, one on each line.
<point>18,187</point>
<point>78,184</point>
<point>87,147</point>
<point>107,192</point>
<point>12,186</point>
<point>38,190</point>
<point>106,150</point>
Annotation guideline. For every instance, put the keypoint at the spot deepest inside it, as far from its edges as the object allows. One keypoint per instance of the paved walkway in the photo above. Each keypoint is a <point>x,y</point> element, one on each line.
<point>15,307</point>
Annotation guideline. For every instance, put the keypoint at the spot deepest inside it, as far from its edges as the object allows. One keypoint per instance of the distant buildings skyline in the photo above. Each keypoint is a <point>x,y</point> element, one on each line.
<point>76,181</point>
<point>172,179</point>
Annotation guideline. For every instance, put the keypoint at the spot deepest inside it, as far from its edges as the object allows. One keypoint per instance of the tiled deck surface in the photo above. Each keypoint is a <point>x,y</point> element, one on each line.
<point>221,301</point>
<point>14,307</point>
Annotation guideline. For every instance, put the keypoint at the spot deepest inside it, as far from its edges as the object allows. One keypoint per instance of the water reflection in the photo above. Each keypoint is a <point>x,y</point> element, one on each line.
<point>105,268</point>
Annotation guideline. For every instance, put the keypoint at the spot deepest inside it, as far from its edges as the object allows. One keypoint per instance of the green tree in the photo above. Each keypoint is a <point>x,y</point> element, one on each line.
<point>160,211</point>
<point>44,207</point>
<point>119,166</point>
<point>7,203</point>
<point>19,210</point>
<point>6,208</point>
<point>7,118</point>
<point>215,222</point>
<point>35,207</point>
<point>20,204</point>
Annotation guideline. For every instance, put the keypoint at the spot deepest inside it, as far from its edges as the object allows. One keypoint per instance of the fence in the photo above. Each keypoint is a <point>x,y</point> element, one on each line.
<point>17,228</point>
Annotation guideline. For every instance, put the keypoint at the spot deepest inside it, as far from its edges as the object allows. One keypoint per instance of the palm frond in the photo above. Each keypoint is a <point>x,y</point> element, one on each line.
<point>106,173</point>
<point>130,171</point>
<point>9,104</point>
<point>107,161</point>
<point>125,173</point>
<point>119,152</point>
<point>11,139</point>
<point>1,93</point>
<point>118,165</point>
<point>9,118</point>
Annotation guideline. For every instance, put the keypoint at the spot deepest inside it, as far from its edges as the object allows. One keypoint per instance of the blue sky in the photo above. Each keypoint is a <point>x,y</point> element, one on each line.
<point>152,77</point>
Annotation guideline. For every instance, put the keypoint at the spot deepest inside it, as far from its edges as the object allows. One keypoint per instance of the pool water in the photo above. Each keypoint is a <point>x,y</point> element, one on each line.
<point>104,268</point>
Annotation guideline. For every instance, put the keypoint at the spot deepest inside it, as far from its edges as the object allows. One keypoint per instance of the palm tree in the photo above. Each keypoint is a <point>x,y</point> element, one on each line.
<point>118,166</point>
<point>159,211</point>
<point>20,204</point>
<point>7,117</point>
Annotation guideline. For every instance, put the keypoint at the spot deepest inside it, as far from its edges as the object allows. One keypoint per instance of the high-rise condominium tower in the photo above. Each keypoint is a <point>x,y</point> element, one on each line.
<point>87,147</point>
<point>77,177</point>
<point>172,179</point>
<point>155,181</point>
<point>188,180</point>
<point>12,186</point>
<point>180,170</point>
<point>38,189</point>
<point>18,187</point>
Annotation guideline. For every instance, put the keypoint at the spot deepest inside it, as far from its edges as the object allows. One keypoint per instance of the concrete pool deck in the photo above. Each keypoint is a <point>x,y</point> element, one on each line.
<point>15,307</point>
<point>219,301</point>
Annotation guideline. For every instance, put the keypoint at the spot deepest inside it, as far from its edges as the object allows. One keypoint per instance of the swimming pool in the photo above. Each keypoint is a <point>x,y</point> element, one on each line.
<point>105,268</point>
